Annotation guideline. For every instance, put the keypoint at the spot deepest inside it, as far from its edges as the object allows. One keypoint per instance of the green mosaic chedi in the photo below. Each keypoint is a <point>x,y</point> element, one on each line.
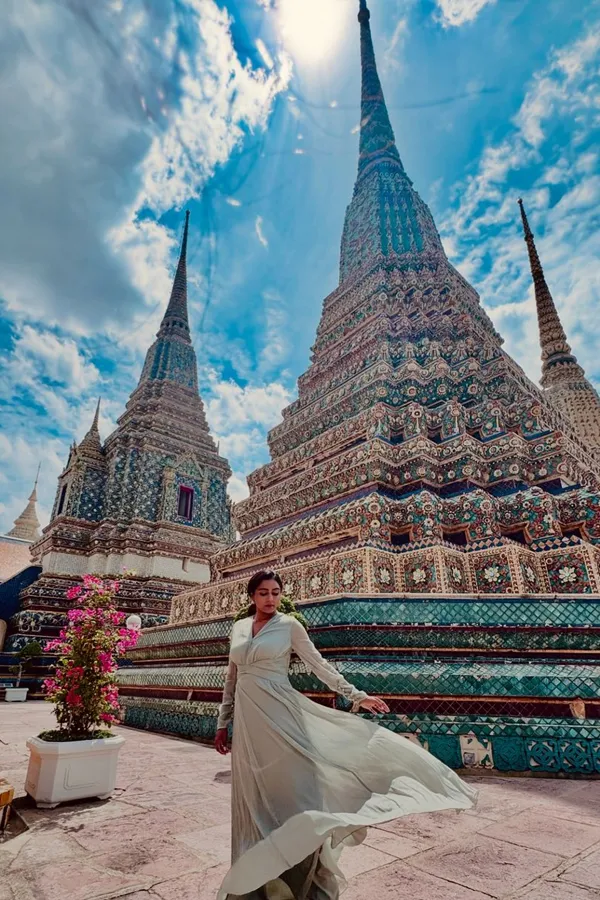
<point>151,500</point>
<point>435,512</point>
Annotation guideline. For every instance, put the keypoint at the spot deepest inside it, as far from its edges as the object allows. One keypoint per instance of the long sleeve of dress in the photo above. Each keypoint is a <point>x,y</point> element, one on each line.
<point>328,674</point>
<point>226,707</point>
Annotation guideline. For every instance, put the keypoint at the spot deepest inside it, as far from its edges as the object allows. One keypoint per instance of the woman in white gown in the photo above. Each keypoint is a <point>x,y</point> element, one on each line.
<point>308,779</point>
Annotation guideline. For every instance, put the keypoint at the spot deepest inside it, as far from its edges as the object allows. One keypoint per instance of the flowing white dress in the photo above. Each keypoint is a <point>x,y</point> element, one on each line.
<point>308,779</point>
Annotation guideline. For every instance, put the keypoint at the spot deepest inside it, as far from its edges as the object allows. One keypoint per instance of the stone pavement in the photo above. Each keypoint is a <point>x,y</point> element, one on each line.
<point>165,834</point>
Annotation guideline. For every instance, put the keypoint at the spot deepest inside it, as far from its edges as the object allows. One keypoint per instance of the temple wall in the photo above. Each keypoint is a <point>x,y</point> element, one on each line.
<point>114,564</point>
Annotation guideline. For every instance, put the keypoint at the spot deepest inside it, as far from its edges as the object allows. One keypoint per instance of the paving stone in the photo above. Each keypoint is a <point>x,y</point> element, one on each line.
<point>585,873</point>
<point>207,813</point>
<point>213,842</point>
<point>501,798</point>
<point>486,865</point>
<point>165,799</point>
<point>139,895</point>
<point>165,835</point>
<point>356,860</point>
<point>73,880</point>
<point>74,815</point>
<point>106,837</point>
<point>545,832</point>
<point>36,849</point>
<point>5,891</point>
<point>558,890</point>
<point>573,809</point>
<point>390,843</point>
<point>156,862</point>
<point>429,829</point>
<point>194,887</point>
<point>398,880</point>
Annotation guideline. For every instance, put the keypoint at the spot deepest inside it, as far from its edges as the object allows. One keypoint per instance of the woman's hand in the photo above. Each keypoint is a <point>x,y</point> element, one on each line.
<point>374,705</point>
<point>221,742</point>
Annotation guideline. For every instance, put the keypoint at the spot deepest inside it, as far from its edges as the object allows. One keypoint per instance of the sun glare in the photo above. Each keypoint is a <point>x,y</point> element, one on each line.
<point>311,29</point>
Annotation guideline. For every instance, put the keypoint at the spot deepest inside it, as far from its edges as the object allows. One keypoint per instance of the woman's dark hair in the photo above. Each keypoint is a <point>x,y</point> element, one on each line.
<point>256,581</point>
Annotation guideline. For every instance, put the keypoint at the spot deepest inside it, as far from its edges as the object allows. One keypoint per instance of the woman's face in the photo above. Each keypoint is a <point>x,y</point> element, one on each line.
<point>267,597</point>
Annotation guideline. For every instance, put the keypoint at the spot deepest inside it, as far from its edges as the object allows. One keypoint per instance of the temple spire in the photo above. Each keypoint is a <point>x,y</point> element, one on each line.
<point>563,379</point>
<point>171,357</point>
<point>377,141</point>
<point>556,352</point>
<point>91,443</point>
<point>175,319</point>
<point>386,221</point>
<point>27,525</point>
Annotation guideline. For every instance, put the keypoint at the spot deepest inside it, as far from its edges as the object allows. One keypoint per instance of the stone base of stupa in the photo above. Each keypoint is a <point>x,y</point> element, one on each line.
<point>488,680</point>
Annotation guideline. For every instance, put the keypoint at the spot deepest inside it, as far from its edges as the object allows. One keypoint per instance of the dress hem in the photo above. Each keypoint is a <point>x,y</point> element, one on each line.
<point>261,858</point>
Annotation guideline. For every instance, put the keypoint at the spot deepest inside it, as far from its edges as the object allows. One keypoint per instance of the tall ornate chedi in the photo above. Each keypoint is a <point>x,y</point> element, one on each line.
<point>435,512</point>
<point>563,379</point>
<point>151,500</point>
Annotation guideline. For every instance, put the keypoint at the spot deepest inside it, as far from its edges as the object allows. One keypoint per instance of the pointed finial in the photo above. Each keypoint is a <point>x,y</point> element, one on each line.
<point>175,319</point>
<point>91,443</point>
<point>526,228</point>
<point>562,377</point>
<point>556,352</point>
<point>33,495</point>
<point>377,141</point>
<point>27,525</point>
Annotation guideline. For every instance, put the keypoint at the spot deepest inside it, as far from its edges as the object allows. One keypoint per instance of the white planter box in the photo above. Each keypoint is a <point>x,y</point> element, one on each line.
<point>71,770</point>
<point>14,695</point>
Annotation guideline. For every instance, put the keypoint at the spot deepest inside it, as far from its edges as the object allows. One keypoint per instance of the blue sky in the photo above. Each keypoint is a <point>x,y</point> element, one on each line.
<point>246,111</point>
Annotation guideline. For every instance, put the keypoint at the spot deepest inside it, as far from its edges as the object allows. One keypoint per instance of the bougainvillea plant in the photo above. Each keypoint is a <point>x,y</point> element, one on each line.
<point>83,687</point>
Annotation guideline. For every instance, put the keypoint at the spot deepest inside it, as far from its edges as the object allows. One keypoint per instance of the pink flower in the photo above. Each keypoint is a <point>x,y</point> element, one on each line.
<point>106,661</point>
<point>91,582</point>
<point>75,615</point>
<point>75,673</point>
<point>111,693</point>
<point>74,592</point>
<point>73,698</point>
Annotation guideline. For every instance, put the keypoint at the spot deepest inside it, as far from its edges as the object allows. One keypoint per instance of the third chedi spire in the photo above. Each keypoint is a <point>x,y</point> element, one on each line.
<point>562,377</point>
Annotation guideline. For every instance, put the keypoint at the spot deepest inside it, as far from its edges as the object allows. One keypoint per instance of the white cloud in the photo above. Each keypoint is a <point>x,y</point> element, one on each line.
<point>238,488</point>
<point>220,96</point>
<point>393,51</point>
<point>264,52</point>
<point>275,342</point>
<point>459,12</point>
<point>127,116</point>
<point>258,227</point>
<point>40,357</point>
<point>570,72</point>
<point>240,418</point>
<point>549,151</point>
<point>232,406</point>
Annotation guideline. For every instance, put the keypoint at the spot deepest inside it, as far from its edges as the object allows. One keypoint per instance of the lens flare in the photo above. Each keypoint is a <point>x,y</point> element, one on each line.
<point>311,29</point>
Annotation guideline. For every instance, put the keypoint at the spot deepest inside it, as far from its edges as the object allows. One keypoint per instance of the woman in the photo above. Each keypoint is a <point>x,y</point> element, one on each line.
<point>308,779</point>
